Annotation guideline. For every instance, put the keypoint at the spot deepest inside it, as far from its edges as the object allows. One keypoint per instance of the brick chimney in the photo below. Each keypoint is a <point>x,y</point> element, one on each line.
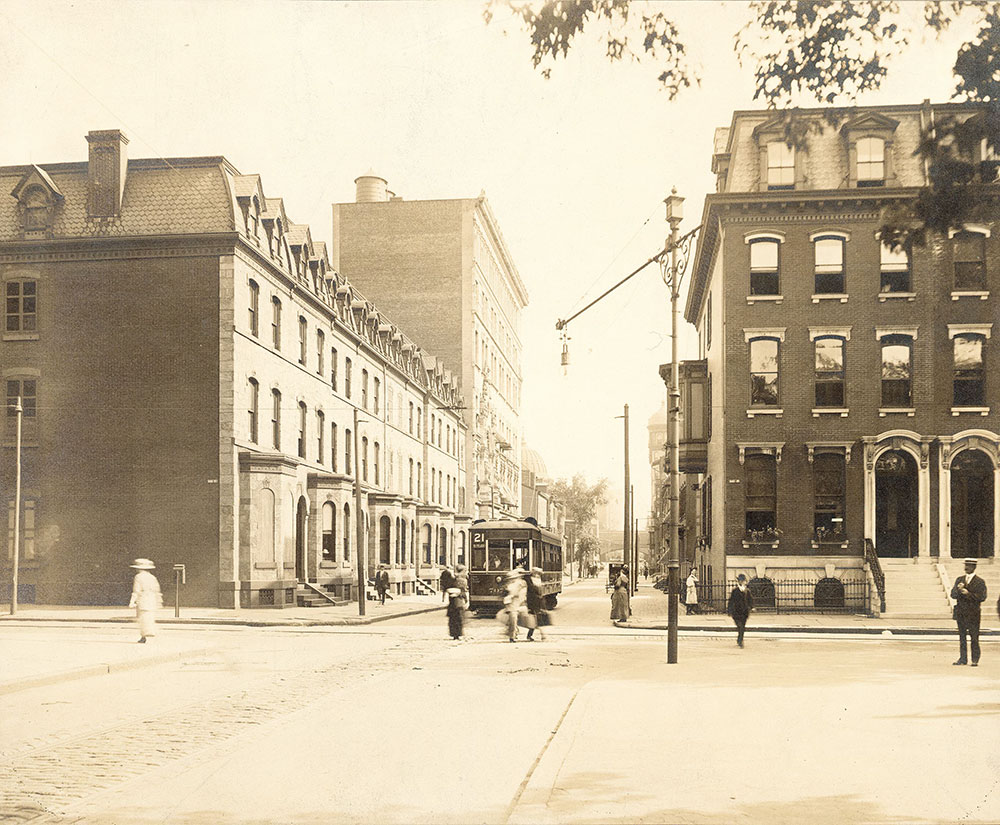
<point>107,162</point>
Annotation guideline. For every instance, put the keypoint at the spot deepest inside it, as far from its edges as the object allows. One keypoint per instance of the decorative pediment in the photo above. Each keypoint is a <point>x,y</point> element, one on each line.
<point>37,197</point>
<point>872,122</point>
<point>773,128</point>
<point>36,176</point>
<point>761,448</point>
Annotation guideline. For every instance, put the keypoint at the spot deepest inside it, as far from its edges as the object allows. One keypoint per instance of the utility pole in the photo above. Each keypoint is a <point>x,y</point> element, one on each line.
<point>18,410</point>
<point>675,214</point>
<point>633,540</point>
<point>359,524</point>
<point>627,519</point>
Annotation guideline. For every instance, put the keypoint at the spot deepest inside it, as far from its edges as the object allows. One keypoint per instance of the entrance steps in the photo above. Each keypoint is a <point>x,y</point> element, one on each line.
<point>423,588</point>
<point>913,590</point>
<point>309,595</point>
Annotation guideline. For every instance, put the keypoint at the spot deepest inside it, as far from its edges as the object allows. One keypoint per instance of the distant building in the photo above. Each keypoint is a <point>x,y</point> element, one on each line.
<point>537,500</point>
<point>442,270</point>
<point>190,367</point>
<point>843,393</point>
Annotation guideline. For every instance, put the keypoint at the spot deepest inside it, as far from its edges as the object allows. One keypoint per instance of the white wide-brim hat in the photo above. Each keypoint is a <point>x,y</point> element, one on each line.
<point>143,564</point>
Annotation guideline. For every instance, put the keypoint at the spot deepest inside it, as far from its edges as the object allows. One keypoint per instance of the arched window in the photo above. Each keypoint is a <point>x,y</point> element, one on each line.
<point>364,389</point>
<point>384,539</point>
<point>320,351</point>
<point>427,543</point>
<point>333,446</point>
<point>442,546</point>
<point>764,372</point>
<point>764,267</point>
<point>302,429</point>
<point>364,458</point>
<point>897,355</point>
<point>376,457</point>
<point>780,165</point>
<point>829,351</point>
<point>276,419</point>
<point>253,408</point>
<point>329,531</point>
<point>969,256</point>
<point>402,541</point>
<point>347,532</point>
<point>303,344</point>
<point>347,377</point>
<point>969,375</point>
<point>398,540</point>
<point>829,592</point>
<point>276,322</point>
<point>761,592</point>
<point>871,162</point>
<point>320,435</point>
<point>829,265</point>
<point>254,309</point>
<point>894,265</point>
<point>461,548</point>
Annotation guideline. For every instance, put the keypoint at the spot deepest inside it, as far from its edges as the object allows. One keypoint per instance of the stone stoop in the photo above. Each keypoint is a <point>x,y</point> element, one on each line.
<point>913,590</point>
<point>306,596</point>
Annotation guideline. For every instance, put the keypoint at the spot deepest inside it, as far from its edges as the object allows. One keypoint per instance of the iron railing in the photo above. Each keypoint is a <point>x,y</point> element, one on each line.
<point>878,576</point>
<point>826,595</point>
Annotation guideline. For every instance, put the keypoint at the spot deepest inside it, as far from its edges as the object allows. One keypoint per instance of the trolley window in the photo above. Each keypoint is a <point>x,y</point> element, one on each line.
<point>478,561</point>
<point>499,554</point>
<point>522,548</point>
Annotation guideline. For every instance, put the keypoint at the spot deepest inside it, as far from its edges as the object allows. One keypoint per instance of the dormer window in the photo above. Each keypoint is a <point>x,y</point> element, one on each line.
<point>780,165</point>
<point>253,219</point>
<point>869,150</point>
<point>37,195</point>
<point>871,162</point>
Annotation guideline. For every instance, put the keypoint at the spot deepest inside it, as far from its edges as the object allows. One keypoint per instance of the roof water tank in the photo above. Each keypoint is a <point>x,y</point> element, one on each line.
<point>370,188</point>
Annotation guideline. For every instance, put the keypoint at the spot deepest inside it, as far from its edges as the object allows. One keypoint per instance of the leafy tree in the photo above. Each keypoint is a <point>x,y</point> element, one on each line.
<point>581,501</point>
<point>827,52</point>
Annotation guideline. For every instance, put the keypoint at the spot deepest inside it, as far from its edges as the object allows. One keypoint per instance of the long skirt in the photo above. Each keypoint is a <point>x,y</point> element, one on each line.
<point>456,620</point>
<point>147,622</point>
<point>619,605</point>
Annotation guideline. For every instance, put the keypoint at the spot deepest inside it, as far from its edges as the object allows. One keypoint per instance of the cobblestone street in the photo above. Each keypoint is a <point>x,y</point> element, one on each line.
<point>398,724</point>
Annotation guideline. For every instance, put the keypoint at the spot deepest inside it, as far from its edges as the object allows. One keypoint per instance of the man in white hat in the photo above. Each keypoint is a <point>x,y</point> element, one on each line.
<point>969,594</point>
<point>146,597</point>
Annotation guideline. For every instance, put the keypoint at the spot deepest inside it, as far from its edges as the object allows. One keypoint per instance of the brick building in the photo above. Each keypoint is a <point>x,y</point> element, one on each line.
<point>441,268</point>
<point>844,392</point>
<point>190,366</point>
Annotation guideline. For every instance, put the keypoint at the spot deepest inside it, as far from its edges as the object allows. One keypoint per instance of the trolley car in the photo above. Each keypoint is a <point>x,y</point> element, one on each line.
<point>502,545</point>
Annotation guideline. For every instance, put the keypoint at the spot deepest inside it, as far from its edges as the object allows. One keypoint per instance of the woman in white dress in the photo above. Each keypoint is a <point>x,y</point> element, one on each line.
<point>146,597</point>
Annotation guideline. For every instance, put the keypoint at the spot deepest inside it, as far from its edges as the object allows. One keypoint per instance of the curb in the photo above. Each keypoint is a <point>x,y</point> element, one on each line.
<point>98,670</point>
<point>857,631</point>
<point>208,621</point>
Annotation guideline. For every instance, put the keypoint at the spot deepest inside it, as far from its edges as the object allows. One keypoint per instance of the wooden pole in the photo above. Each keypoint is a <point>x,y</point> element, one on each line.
<point>359,524</point>
<point>18,410</point>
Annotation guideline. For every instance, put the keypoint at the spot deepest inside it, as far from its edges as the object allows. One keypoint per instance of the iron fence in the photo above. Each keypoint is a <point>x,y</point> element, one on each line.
<point>827,595</point>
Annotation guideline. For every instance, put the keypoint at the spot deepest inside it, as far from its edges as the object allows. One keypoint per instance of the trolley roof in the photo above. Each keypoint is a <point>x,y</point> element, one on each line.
<point>493,525</point>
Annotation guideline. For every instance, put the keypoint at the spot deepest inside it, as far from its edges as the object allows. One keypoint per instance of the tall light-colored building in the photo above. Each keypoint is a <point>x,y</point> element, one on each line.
<point>441,269</point>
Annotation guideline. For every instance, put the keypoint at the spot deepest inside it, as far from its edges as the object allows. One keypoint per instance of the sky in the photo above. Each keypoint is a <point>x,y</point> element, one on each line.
<point>311,95</point>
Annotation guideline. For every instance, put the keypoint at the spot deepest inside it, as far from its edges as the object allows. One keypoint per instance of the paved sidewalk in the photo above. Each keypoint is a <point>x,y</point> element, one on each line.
<point>251,617</point>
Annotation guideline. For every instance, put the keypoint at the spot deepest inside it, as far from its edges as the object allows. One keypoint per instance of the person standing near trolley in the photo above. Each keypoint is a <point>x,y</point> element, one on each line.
<point>146,598</point>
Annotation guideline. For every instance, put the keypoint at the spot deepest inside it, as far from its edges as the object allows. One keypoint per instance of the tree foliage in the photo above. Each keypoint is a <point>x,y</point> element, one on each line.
<point>813,52</point>
<point>580,499</point>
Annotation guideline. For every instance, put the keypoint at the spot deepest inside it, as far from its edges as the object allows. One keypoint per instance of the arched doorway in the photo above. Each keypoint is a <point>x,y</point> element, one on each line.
<point>300,539</point>
<point>971,505</point>
<point>896,505</point>
<point>384,540</point>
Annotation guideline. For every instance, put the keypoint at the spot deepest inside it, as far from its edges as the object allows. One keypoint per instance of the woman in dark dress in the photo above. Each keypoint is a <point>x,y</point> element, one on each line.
<point>456,612</point>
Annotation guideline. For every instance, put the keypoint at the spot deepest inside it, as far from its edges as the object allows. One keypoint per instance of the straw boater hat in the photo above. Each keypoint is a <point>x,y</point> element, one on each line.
<point>536,569</point>
<point>143,564</point>
<point>972,561</point>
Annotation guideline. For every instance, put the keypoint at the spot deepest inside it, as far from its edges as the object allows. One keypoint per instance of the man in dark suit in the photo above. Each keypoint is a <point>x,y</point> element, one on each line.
<point>969,594</point>
<point>739,606</point>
